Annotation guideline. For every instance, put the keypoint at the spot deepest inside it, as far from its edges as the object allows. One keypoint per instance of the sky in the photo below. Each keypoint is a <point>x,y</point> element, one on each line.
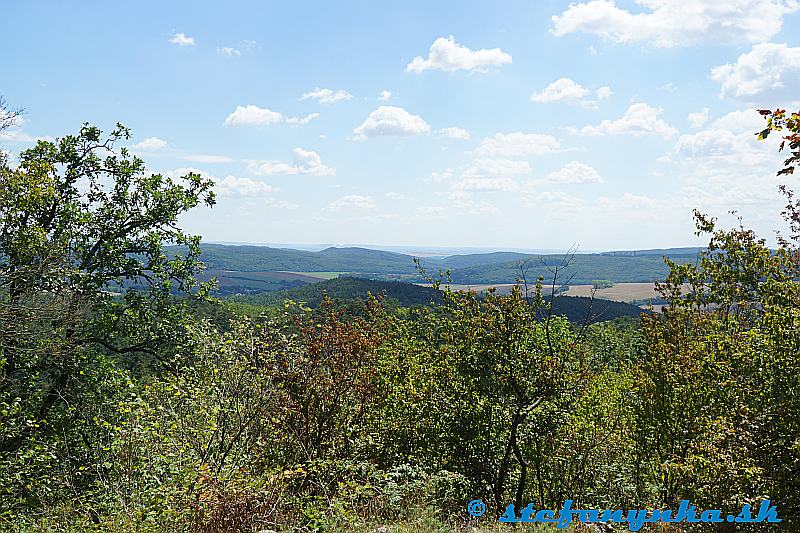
<point>504,125</point>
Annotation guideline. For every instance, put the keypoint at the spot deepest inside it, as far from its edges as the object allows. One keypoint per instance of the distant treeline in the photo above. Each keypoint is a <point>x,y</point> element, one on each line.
<point>497,267</point>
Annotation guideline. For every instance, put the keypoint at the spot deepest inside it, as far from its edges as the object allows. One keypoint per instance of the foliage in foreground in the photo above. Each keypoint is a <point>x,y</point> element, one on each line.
<point>121,409</point>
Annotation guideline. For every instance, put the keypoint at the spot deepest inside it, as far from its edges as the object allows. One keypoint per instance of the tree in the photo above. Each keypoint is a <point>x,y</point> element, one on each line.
<point>86,287</point>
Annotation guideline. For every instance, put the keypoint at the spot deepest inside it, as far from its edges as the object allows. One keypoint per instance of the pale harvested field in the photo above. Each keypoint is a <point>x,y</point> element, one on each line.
<point>620,292</point>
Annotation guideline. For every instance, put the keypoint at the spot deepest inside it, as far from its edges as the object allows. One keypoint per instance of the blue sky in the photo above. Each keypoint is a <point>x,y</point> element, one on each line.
<point>487,124</point>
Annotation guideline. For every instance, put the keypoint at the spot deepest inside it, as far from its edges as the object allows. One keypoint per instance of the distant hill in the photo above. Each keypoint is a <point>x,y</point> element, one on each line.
<point>454,262</point>
<point>345,289</point>
<point>264,258</point>
<point>583,269</point>
<point>689,250</point>
<point>494,267</point>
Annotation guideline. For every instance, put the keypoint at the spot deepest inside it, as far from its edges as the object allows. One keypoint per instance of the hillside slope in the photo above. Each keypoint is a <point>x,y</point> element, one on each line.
<point>345,289</point>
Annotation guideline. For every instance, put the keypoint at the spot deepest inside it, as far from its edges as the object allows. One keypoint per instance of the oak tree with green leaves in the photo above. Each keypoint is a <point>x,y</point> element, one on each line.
<point>86,290</point>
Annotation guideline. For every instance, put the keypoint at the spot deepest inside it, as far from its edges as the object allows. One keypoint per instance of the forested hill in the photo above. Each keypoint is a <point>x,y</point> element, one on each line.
<point>348,289</point>
<point>582,269</point>
<point>261,258</point>
<point>496,267</point>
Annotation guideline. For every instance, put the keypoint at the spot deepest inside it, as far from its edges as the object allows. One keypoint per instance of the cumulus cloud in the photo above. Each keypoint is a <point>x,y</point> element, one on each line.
<point>229,186</point>
<point>181,39</point>
<point>252,115</point>
<point>492,175</point>
<point>327,96</point>
<point>574,172</point>
<point>228,51</point>
<point>767,74</point>
<point>301,121</point>
<point>305,162</point>
<point>391,121</point>
<point>151,144</point>
<point>569,91</point>
<point>742,121</point>
<point>243,187</point>
<point>352,202</point>
<point>699,118</point>
<point>561,90</point>
<point>729,142</point>
<point>639,119</point>
<point>454,133</point>
<point>517,144</point>
<point>15,134</point>
<point>447,55</point>
<point>604,92</point>
<point>384,96</point>
<point>669,23</point>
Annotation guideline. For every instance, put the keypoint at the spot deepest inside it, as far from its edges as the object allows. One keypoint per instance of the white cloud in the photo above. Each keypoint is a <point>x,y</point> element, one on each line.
<point>728,148</point>
<point>390,120</point>
<point>639,119</point>
<point>181,39</point>
<point>492,175</point>
<point>352,202</point>
<point>228,51</point>
<point>669,23</point>
<point>305,162</point>
<point>151,144</point>
<point>768,74</point>
<point>698,119</point>
<point>229,186</point>
<point>252,115</point>
<point>747,121</point>
<point>604,92</point>
<point>561,90</point>
<point>574,172</point>
<point>207,158</point>
<point>392,195</point>
<point>729,142</point>
<point>327,96</point>
<point>454,133</point>
<point>447,55</point>
<point>570,92</point>
<point>301,121</point>
<point>442,176</point>
<point>384,96</point>
<point>517,144</point>
<point>243,187</point>
<point>17,135</point>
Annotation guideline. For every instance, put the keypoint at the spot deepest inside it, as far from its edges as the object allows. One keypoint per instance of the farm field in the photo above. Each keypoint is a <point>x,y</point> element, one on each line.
<point>620,292</point>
